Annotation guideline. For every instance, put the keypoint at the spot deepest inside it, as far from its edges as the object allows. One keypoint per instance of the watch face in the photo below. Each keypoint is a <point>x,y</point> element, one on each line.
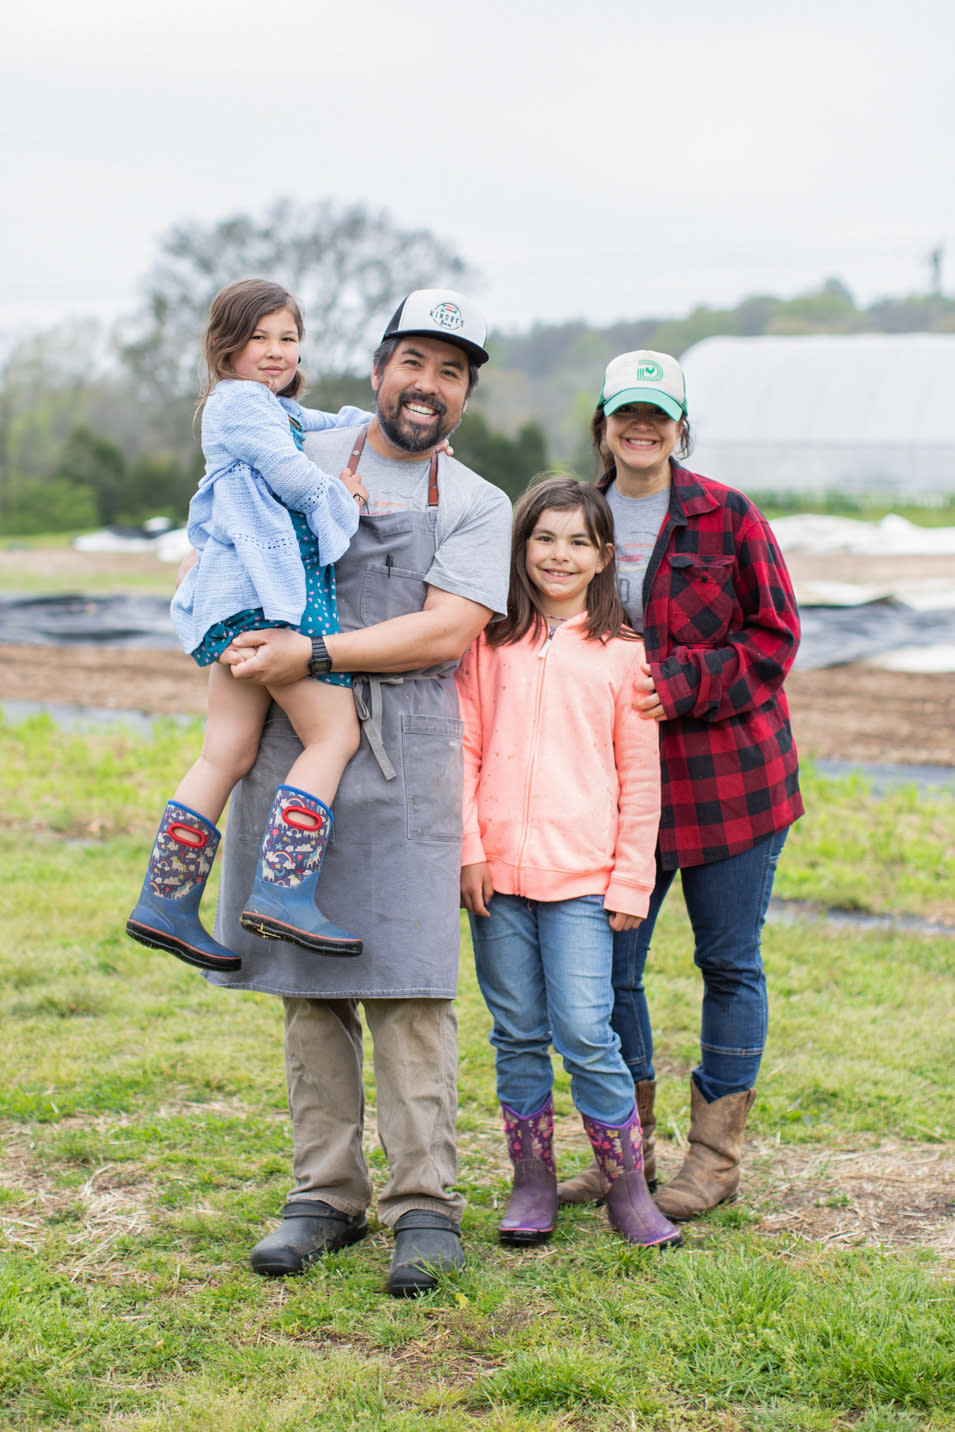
<point>321,662</point>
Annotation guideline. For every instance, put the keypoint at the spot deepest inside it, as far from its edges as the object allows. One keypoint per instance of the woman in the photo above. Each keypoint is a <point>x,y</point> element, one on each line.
<point>702,578</point>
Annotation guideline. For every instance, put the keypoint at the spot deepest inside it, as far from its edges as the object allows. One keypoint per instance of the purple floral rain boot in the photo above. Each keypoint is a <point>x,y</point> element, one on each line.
<point>282,904</point>
<point>166,916</point>
<point>631,1210</point>
<point>532,1212</point>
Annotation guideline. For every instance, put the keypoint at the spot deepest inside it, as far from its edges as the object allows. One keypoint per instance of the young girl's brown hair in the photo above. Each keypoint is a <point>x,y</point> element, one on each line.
<point>606,617</point>
<point>234,315</point>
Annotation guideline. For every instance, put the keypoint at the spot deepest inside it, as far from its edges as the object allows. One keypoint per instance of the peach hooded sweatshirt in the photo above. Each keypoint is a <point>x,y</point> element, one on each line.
<point>561,777</point>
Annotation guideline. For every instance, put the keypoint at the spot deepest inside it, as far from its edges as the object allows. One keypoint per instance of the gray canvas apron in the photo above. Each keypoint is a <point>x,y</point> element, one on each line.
<point>392,869</point>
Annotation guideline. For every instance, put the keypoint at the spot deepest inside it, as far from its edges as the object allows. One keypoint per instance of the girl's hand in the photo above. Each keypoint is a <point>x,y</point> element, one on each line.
<point>476,888</point>
<point>647,703</point>
<point>354,486</point>
<point>619,921</point>
<point>446,448</point>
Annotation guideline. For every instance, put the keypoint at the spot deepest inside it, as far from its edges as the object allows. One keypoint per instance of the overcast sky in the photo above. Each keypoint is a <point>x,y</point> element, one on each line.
<point>593,160</point>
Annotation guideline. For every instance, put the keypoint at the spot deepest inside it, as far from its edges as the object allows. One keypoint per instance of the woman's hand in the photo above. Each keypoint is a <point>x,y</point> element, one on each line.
<point>619,921</point>
<point>476,888</point>
<point>275,656</point>
<point>647,703</point>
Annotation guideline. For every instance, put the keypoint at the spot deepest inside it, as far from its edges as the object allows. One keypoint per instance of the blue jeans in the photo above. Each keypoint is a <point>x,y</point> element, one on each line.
<point>544,968</point>
<point>727,902</point>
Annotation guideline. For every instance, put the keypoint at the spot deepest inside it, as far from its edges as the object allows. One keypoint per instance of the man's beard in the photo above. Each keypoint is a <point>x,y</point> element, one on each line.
<point>414,437</point>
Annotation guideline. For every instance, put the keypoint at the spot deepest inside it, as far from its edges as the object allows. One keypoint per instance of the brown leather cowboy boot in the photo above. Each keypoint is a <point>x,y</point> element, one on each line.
<point>710,1172</point>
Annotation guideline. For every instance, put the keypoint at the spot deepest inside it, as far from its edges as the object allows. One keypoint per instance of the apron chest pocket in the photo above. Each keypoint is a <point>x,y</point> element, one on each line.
<point>388,590</point>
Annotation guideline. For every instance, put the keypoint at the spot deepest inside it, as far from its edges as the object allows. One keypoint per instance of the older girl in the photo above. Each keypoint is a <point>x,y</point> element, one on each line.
<point>561,804</point>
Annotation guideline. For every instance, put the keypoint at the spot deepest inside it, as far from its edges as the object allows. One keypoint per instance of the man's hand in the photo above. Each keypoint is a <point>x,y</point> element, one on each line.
<point>647,703</point>
<point>620,921</point>
<point>476,888</point>
<point>276,656</point>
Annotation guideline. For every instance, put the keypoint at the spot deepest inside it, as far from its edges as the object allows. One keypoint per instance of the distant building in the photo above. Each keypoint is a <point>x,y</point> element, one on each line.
<point>866,413</point>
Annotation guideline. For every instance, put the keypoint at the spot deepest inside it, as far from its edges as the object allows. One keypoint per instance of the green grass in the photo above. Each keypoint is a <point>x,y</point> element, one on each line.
<point>860,509</point>
<point>49,566</point>
<point>895,854</point>
<point>146,1147</point>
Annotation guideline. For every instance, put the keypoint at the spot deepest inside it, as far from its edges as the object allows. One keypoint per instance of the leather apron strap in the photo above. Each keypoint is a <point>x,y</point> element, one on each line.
<point>355,454</point>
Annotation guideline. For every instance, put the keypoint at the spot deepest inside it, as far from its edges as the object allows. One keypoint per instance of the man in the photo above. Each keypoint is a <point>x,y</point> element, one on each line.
<point>423,575</point>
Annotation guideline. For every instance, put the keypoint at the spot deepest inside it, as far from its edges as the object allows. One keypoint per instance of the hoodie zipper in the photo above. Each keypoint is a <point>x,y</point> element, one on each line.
<point>542,656</point>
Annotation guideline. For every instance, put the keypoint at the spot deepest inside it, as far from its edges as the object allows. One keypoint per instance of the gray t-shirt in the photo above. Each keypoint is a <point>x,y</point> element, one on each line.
<point>474,518</point>
<point>636,527</point>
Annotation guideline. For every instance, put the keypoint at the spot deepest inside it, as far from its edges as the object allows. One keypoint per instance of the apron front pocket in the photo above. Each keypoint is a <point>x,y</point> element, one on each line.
<point>388,590</point>
<point>433,770</point>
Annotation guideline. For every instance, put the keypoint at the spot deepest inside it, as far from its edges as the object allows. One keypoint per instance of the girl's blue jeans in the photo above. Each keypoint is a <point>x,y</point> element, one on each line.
<point>727,902</point>
<point>544,968</point>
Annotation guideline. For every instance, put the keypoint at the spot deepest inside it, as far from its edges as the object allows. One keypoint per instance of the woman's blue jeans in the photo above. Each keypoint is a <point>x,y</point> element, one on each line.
<point>544,968</point>
<point>727,902</point>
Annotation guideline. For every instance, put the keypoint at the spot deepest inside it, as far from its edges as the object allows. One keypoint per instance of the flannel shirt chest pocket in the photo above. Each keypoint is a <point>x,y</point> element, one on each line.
<point>702,598</point>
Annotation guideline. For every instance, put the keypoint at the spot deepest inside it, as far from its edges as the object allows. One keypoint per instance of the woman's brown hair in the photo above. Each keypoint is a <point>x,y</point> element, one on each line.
<point>234,315</point>
<point>606,617</point>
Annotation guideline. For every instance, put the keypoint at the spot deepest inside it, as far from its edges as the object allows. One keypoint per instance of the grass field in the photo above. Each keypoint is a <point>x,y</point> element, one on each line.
<point>146,1147</point>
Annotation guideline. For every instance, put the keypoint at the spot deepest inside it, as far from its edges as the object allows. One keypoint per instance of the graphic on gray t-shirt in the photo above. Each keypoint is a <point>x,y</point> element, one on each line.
<point>636,527</point>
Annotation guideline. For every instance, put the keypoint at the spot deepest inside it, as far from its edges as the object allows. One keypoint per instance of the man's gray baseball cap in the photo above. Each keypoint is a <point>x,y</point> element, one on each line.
<point>441,313</point>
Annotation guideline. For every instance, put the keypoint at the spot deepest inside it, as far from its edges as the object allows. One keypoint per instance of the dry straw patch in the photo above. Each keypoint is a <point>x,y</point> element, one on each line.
<point>893,1196</point>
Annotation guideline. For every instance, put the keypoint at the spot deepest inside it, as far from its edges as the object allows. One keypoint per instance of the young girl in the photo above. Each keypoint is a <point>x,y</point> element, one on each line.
<point>561,806</point>
<point>267,526</point>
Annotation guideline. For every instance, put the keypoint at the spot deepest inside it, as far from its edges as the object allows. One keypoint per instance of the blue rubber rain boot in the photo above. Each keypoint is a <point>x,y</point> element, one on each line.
<point>166,916</point>
<point>282,904</point>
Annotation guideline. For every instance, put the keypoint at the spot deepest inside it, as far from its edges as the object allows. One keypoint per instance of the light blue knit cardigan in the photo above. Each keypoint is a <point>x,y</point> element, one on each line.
<point>248,551</point>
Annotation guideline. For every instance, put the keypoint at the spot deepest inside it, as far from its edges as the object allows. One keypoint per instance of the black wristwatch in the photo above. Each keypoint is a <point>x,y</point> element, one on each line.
<point>321,662</point>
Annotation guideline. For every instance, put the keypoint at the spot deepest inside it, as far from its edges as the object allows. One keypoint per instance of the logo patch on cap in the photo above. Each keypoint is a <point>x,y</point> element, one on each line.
<point>448,315</point>
<point>649,372</point>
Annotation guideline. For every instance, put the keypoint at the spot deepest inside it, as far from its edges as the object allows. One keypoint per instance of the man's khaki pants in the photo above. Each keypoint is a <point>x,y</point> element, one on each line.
<point>415,1062</point>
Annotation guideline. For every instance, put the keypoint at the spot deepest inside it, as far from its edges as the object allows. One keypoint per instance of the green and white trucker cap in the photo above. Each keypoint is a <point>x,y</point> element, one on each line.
<point>441,313</point>
<point>644,377</point>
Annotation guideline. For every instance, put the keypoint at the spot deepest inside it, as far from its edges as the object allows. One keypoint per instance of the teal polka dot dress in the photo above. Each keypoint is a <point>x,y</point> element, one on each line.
<point>320,617</point>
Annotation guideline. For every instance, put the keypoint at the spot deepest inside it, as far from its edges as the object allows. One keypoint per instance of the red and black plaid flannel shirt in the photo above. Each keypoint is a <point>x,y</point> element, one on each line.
<point>721,628</point>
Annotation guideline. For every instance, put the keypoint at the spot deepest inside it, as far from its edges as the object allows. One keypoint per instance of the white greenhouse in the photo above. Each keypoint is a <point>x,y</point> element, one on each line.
<point>867,413</point>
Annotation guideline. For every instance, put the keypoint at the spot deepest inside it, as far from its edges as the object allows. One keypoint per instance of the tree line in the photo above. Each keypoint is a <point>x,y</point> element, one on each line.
<point>98,425</point>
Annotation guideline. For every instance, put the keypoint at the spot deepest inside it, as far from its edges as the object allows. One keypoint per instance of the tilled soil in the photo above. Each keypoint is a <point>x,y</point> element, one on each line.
<point>847,713</point>
<point>851,713</point>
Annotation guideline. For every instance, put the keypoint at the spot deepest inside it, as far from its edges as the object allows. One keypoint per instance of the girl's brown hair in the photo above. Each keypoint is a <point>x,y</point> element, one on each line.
<point>606,617</point>
<point>234,315</point>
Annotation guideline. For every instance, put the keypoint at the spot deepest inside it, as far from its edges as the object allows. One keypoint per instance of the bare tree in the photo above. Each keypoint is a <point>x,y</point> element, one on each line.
<point>347,266</point>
